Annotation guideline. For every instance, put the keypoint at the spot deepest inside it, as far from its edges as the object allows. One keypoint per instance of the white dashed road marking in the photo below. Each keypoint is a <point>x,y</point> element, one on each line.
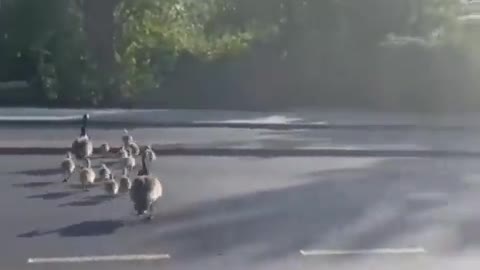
<point>109,258</point>
<point>381,251</point>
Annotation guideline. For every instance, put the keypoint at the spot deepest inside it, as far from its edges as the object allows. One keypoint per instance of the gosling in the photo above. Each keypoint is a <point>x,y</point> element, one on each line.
<point>87,175</point>
<point>68,167</point>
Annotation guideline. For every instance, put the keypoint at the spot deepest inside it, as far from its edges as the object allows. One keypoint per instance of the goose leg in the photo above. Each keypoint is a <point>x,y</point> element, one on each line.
<point>150,211</point>
<point>69,174</point>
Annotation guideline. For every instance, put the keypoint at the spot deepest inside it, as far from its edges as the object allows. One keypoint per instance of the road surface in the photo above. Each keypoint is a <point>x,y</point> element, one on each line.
<point>215,116</point>
<point>211,138</point>
<point>251,213</point>
<point>248,212</point>
<point>358,137</point>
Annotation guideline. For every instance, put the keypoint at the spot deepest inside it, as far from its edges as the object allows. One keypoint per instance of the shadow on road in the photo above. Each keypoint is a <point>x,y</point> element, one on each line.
<point>40,172</point>
<point>338,209</point>
<point>374,206</point>
<point>51,195</point>
<point>91,228</point>
<point>35,184</point>
<point>88,201</point>
<point>86,228</point>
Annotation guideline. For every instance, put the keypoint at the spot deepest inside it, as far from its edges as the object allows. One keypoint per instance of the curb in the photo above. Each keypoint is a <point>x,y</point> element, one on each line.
<point>105,124</point>
<point>258,152</point>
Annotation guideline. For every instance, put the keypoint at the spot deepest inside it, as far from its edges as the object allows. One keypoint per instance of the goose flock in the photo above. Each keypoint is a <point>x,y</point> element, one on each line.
<point>144,190</point>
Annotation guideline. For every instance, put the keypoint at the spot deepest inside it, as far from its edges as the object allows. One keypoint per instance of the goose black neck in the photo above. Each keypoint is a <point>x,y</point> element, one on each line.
<point>144,170</point>
<point>84,126</point>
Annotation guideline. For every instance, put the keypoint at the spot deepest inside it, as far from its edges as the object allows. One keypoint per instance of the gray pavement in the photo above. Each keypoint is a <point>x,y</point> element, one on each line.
<point>216,118</point>
<point>358,131</point>
<point>211,138</point>
<point>250,213</point>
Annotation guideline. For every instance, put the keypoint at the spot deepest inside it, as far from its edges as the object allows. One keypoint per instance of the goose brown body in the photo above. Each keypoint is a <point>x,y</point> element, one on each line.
<point>82,146</point>
<point>146,190</point>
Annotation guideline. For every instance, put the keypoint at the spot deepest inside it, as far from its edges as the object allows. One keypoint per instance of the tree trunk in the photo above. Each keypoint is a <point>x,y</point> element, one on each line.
<point>99,23</point>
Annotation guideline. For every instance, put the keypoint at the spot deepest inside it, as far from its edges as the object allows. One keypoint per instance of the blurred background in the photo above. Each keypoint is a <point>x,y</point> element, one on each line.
<point>409,55</point>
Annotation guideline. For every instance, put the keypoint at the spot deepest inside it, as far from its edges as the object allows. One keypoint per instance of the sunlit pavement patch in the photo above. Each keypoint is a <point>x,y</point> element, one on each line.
<point>427,196</point>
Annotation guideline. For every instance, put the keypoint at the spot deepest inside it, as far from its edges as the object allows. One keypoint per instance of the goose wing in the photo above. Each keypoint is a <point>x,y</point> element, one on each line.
<point>82,147</point>
<point>154,188</point>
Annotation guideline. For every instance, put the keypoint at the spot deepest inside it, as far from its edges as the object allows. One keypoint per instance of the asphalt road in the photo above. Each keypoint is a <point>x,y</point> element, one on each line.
<point>250,138</point>
<point>250,213</point>
<point>357,138</point>
<point>215,116</point>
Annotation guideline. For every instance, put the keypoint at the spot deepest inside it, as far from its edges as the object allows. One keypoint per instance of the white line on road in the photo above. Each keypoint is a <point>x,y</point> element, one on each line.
<point>109,258</point>
<point>381,251</point>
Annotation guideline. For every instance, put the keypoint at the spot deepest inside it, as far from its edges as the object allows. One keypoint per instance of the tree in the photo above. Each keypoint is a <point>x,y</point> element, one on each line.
<point>99,25</point>
<point>95,52</point>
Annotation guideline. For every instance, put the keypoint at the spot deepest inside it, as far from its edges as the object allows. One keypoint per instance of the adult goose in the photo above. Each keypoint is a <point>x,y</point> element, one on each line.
<point>145,191</point>
<point>82,146</point>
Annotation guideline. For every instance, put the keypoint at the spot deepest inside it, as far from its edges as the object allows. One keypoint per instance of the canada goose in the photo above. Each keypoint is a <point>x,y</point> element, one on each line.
<point>129,143</point>
<point>144,170</point>
<point>125,183</point>
<point>104,149</point>
<point>145,191</point>
<point>87,175</point>
<point>68,166</point>
<point>150,154</point>
<point>123,152</point>
<point>104,173</point>
<point>128,161</point>
<point>126,138</point>
<point>82,146</point>
<point>111,186</point>
<point>133,146</point>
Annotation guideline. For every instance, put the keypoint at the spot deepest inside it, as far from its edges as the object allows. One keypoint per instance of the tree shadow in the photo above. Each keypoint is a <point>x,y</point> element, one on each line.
<point>86,228</point>
<point>330,211</point>
<point>51,195</point>
<point>88,201</point>
<point>340,208</point>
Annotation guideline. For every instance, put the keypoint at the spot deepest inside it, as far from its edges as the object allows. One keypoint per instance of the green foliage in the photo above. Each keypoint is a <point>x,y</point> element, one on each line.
<point>66,73</point>
<point>154,33</point>
<point>49,32</point>
<point>298,51</point>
